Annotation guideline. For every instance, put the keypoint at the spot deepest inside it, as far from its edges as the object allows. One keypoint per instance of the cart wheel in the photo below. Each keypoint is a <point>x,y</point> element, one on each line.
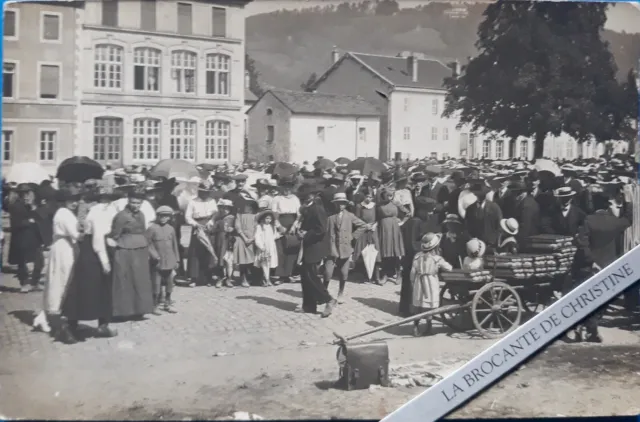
<point>496,309</point>
<point>537,301</point>
<point>460,320</point>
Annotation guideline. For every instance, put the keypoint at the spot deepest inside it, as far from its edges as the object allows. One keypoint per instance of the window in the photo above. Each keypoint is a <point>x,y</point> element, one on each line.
<point>218,74</point>
<point>9,75</point>
<point>146,139</point>
<point>107,138</point>
<point>434,133</point>
<point>406,104</point>
<point>362,134</point>
<point>472,145</point>
<point>464,142</point>
<point>10,24</point>
<point>110,12</point>
<point>107,66</point>
<point>569,151</point>
<point>146,69</point>
<point>183,71</point>
<point>558,148</point>
<point>48,140</point>
<point>320,134</point>
<point>445,133</point>
<point>445,156</point>
<point>486,149</point>
<point>51,27</point>
<point>269,112</point>
<point>217,139</point>
<point>524,150</point>
<point>185,24</point>
<point>183,139</point>
<point>434,155</point>
<point>407,133</point>
<point>499,149</point>
<point>219,22</point>
<point>148,15</point>
<point>49,81</point>
<point>434,106</point>
<point>7,145</point>
<point>270,133</point>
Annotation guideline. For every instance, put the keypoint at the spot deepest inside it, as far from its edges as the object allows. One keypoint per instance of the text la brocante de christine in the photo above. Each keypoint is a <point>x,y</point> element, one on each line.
<point>528,339</point>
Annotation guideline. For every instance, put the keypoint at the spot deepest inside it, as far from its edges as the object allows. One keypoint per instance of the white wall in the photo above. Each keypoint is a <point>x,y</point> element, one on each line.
<point>340,140</point>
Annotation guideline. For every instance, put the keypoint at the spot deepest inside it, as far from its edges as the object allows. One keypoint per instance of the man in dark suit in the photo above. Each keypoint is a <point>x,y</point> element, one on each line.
<point>315,248</point>
<point>457,177</point>
<point>505,197</point>
<point>598,243</point>
<point>483,217</point>
<point>567,218</point>
<point>526,211</point>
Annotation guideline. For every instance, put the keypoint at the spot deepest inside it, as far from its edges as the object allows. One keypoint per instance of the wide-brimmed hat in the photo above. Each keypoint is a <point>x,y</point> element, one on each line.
<point>225,203</point>
<point>309,189</point>
<point>204,186</point>
<point>337,177</point>
<point>151,185</point>
<point>430,241</point>
<point>262,183</point>
<point>106,192</point>
<point>452,219</point>
<point>418,177</point>
<point>340,197</point>
<point>286,182</point>
<point>517,187</point>
<point>263,214</point>
<point>26,187</point>
<point>457,176</point>
<point>476,247</point>
<point>239,177</point>
<point>425,203</point>
<point>510,225</point>
<point>564,192</point>
<point>164,210</point>
<point>219,175</point>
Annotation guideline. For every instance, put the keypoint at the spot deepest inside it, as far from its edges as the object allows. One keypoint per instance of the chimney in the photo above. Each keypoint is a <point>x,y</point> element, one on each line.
<point>247,79</point>
<point>335,55</point>
<point>412,67</point>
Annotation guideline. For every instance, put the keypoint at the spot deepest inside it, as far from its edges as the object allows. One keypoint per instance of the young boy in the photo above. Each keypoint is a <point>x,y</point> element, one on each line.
<point>165,259</point>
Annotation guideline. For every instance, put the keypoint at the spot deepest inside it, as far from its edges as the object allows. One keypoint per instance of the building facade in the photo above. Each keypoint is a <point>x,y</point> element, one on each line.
<point>301,126</point>
<point>409,91</point>
<point>162,80</point>
<point>40,89</point>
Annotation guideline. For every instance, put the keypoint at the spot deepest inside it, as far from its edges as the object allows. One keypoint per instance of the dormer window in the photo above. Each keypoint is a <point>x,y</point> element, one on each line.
<point>269,112</point>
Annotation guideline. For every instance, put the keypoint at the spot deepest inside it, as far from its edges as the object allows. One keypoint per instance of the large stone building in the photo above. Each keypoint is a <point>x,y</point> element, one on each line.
<point>39,83</point>
<point>126,82</point>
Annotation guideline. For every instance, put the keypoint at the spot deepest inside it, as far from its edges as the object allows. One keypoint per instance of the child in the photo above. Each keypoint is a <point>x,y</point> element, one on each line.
<point>424,277</point>
<point>475,251</point>
<point>507,243</point>
<point>266,254</point>
<point>165,258</point>
<point>243,253</point>
<point>224,239</point>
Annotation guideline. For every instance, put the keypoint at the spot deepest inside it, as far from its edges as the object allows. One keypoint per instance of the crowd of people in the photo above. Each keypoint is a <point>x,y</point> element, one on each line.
<point>115,251</point>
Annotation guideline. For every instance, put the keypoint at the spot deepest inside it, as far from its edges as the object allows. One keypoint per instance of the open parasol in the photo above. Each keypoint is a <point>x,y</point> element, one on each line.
<point>342,161</point>
<point>281,169</point>
<point>543,164</point>
<point>174,168</point>
<point>324,164</point>
<point>79,169</point>
<point>27,173</point>
<point>367,166</point>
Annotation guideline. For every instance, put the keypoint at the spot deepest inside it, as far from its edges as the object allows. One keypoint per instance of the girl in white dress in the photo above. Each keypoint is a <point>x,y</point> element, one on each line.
<point>61,260</point>
<point>266,254</point>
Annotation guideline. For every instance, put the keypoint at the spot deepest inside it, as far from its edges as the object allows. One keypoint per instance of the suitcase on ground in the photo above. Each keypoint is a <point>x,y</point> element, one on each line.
<point>363,365</point>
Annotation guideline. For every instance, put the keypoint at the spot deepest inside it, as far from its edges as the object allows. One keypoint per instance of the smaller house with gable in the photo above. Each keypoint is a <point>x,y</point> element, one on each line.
<point>294,126</point>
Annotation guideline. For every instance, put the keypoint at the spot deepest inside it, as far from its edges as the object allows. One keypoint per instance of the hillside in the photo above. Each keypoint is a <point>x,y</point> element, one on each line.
<point>288,46</point>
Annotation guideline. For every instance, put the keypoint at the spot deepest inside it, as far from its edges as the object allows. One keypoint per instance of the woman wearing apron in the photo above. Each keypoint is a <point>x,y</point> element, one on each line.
<point>286,206</point>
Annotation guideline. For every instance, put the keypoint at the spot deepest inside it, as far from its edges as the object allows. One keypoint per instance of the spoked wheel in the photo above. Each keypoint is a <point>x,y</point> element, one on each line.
<point>535,301</point>
<point>459,320</point>
<point>496,309</point>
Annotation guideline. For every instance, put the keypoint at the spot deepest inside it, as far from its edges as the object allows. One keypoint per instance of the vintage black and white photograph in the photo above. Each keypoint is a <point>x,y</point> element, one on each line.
<point>265,209</point>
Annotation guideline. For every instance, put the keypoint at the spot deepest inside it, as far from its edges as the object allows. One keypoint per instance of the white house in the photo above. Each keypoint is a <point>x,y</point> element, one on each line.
<point>302,126</point>
<point>162,80</point>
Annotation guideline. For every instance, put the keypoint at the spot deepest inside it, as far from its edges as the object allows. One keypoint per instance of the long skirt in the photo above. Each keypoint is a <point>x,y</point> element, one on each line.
<point>287,256</point>
<point>132,288</point>
<point>200,263</point>
<point>89,294</point>
<point>406,289</point>
<point>59,271</point>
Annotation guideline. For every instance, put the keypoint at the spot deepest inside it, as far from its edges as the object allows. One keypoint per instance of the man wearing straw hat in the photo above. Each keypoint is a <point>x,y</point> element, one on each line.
<point>568,218</point>
<point>341,235</point>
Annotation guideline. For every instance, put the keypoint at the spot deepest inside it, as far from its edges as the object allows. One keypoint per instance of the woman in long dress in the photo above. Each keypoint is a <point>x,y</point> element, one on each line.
<point>243,248</point>
<point>200,215</point>
<point>132,289</point>
<point>391,243</point>
<point>286,207</point>
<point>90,289</point>
<point>62,257</point>
<point>366,211</point>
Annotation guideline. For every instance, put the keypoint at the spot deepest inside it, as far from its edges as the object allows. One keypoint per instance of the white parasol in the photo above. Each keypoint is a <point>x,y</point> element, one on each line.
<point>544,164</point>
<point>27,173</point>
<point>369,255</point>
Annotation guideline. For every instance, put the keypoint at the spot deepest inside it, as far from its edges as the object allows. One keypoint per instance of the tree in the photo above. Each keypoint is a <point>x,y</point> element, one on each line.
<point>542,68</point>
<point>386,7</point>
<point>254,75</point>
<point>306,86</point>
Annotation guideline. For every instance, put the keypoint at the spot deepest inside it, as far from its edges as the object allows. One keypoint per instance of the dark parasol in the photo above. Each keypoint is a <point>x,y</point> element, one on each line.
<point>79,169</point>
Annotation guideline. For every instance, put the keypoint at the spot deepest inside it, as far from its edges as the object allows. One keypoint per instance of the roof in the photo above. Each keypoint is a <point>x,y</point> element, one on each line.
<point>249,96</point>
<point>318,103</point>
<point>393,70</point>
